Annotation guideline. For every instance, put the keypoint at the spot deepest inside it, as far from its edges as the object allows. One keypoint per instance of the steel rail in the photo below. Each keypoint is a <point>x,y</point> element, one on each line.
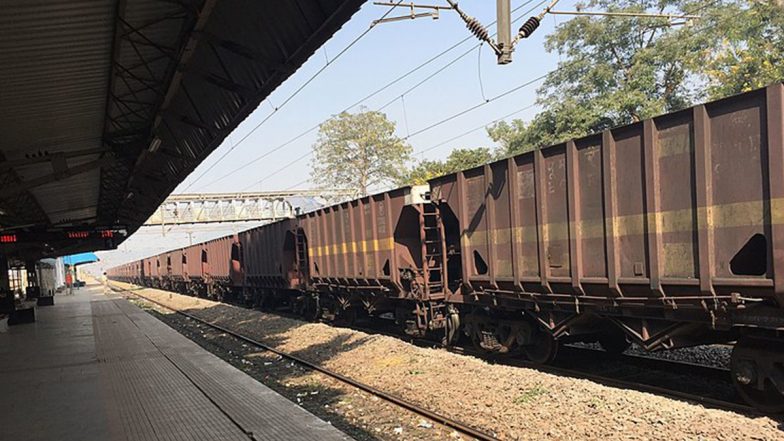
<point>598,378</point>
<point>613,381</point>
<point>441,419</point>
<point>556,370</point>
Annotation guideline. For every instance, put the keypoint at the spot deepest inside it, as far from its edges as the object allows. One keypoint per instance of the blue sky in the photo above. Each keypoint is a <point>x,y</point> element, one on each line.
<point>385,53</point>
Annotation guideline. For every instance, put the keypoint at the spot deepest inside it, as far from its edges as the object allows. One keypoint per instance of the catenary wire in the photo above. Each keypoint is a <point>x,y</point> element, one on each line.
<point>293,95</point>
<point>497,120</point>
<point>399,97</point>
<point>492,99</point>
<point>476,106</point>
<point>374,93</point>
<point>501,95</point>
<point>465,111</point>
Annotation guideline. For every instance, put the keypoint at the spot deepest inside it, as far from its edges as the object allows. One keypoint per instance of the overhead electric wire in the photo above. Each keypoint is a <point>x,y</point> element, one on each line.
<point>486,101</point>
<point>299,158</point>
<point>415,153</point>
<point>479,72</point>
<point>508,115</point>
<point>399,97</point>
<point>469,110</point>
<point>463,55</point>
<point>371,95</point>
<point>476,106</point>
<point>490,100</point>
<point>499,96</point>
<point>297,184</point>
<point>294,94</point>
<point>346,109</point>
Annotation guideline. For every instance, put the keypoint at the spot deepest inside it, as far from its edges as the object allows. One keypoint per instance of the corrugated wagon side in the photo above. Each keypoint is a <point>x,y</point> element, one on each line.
<point>671,228</point>
<point>173,272</point>
<point>379,254</point>
<point>221,270</point>
<point>269,261</point>
<point>192,266</point>
<point>150,271</point>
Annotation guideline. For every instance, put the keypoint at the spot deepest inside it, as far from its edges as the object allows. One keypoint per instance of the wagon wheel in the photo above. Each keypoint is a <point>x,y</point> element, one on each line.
<point>346,316</point>
<point>311,308</point>
<point>488,335</point>
<point>544,348</point>
<point>452,332</point>
<point>489,339</point>
<point>266,301</point>
<point>757,369</point>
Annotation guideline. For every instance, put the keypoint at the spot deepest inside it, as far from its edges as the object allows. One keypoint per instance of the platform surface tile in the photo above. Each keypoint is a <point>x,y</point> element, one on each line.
<point>99,368</point>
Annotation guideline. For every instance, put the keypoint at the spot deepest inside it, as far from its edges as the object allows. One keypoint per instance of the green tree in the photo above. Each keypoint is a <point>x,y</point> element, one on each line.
<point>458,159</point>
<point>423,171</point>
<point>750,54</point>
<point>358,151</point>
<point>620,70</point>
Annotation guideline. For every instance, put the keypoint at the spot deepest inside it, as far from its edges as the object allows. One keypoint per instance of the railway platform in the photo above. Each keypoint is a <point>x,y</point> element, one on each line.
<point>96,367</point>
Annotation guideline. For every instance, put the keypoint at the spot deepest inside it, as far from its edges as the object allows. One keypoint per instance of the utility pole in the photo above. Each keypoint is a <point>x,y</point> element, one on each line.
<point>504,42</point>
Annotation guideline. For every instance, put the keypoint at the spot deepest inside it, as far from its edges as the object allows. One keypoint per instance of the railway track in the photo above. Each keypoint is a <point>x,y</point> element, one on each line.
<point>388,397</point>
<point>599,369</point>
<point>637,372</point>
<point>652,375</point>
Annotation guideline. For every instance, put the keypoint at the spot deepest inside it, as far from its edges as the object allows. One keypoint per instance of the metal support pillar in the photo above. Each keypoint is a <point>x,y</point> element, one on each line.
<point>504,16</point>
<point>6,296</point>
<point>33,289</point>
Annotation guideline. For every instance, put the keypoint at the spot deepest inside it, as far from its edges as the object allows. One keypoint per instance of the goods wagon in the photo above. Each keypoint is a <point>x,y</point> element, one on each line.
<point>116,273</point>
<point>173,277</point>
<point>367,252</point>
<point>668,232</point>
<point>671,228</point>
<point>150,274</point>
<point>221,270</point>
<point>269,262</point>
<point>129,272</point>
<point>137,270</point>
<point>133,271</point>
<point>193,258</point>
<point>123,272</point>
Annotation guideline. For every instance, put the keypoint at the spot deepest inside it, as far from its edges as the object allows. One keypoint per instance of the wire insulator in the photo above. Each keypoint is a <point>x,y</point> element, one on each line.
<point>477,29</point>
<point>529,27</point>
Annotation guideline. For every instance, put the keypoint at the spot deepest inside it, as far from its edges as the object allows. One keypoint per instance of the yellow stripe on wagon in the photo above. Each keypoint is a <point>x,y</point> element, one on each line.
<point>738,214</point>
<point>370,245</point>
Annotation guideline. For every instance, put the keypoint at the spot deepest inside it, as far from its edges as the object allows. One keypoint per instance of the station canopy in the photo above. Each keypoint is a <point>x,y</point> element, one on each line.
<point>107,105</point>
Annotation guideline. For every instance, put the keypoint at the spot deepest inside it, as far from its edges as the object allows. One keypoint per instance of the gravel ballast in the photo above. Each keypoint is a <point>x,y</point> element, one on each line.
<point>511,402</point>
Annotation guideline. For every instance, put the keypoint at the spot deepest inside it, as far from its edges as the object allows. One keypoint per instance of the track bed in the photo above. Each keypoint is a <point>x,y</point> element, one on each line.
<point>512,402</point>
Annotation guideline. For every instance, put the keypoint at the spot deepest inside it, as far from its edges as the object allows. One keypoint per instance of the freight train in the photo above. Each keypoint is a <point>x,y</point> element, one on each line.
<point>668,233</point>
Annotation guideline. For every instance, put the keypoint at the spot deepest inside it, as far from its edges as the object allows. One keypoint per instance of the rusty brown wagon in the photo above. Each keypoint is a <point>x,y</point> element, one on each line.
<point>220,267</point>
<point>669,232</point>
<point>271,265</point>
<point>174,278</point>
<point>379,254</point>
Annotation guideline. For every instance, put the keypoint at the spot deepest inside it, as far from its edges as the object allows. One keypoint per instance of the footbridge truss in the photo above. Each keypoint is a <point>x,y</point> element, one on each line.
<point>206,208</point>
